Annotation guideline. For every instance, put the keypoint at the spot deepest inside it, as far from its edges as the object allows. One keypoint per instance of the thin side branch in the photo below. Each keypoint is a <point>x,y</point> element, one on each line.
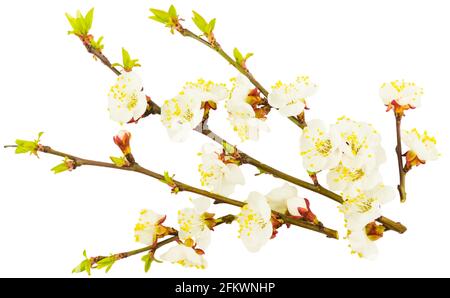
<point>122,255</point>
<point>185,187</point>
<point>401,171</point>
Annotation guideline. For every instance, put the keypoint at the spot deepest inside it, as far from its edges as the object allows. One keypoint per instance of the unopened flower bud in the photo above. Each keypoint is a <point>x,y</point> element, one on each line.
<point>122,140</point>
<point>374,231</point>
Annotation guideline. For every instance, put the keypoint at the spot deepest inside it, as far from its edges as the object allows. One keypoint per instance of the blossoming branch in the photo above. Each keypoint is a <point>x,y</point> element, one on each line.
<point>348,151</point>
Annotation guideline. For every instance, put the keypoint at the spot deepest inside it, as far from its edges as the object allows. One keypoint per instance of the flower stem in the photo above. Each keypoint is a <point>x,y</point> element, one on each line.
<point>185,187</point>
<point>401,171</point>
<point>204,129</point>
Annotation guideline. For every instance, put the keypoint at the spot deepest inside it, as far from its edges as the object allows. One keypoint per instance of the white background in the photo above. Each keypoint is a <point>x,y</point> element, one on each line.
<point>49,83</point>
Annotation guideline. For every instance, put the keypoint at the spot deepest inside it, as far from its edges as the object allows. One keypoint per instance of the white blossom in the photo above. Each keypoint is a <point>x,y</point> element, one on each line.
<point>350,180</point>
<point>318,147</point>
<point>255,227</point>
<point>241,113</point>
<point>180,115</point>
<point>127,100</point>
<point>285,198</point>
<point>185,256</point>
<point>146,230</point>
<point>359,143</point>
<point>360,210</point>
<point>401,93</point>
<point>193,223</point>
<point>290,99</point>
<point>218,176</point>
<point>423,145</point>
<point>205,91</point>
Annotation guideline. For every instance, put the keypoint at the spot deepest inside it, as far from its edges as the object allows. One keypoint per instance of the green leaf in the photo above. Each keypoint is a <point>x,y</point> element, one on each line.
<point>81,24</point>
<point>81,267</point>
<point>148,260</point>
<point>125,57</point>
<point>88,19</point>
<point>119,161</point>
<point>106,263</point>
<point>97,44</point>
<point>82,30</point>
<point>237,55</point>
<point>24,146</point>
<point>228,148</point>
<point>200,22</point>
<point>160,16</point>
<point>172,12</point>
<point>127,62</point>
<point>168,179</point>
<point>211,26</point>
<point>20,150</point>
<point>62,167</point>
<point>85,265</point>
<point>72,21</point>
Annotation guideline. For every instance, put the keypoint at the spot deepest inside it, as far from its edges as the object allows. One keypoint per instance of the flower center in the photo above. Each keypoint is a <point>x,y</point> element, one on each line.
<point>323,147</point>
<point>363,204</point>
<point>354,143</point>
<point>356,175</point>
<point>248,220</point>
<point>132,102</point>
<point>188,115</point>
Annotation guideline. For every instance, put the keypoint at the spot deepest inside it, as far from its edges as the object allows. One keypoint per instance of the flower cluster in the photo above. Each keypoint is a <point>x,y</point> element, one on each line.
<point>351,152</point>
<point>194,234</point>
<point>185,111</point>
<point>402,96</point>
